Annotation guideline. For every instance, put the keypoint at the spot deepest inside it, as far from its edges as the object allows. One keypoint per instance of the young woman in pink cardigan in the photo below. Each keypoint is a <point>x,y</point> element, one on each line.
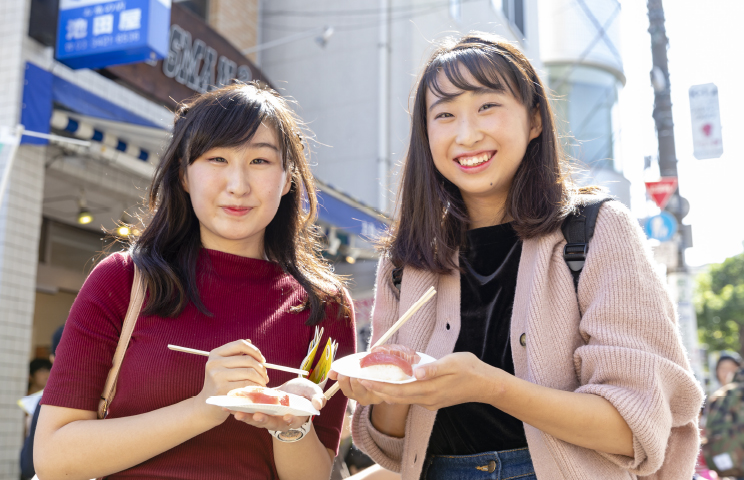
<point>532,379</point>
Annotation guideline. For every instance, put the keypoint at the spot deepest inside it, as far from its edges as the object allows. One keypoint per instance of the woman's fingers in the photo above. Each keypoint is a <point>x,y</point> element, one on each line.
<point>270,422</point>
<point>243,362</point>
<point>239,347</point>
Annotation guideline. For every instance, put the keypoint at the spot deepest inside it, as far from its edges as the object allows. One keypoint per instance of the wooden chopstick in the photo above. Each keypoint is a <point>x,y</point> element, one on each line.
<point>396,326</point>
<point>267,365</point>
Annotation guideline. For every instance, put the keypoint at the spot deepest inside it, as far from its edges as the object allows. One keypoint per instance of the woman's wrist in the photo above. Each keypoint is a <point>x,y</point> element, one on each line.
<point>204,415</point>
<point>492,386</point>
<point>389,419</point>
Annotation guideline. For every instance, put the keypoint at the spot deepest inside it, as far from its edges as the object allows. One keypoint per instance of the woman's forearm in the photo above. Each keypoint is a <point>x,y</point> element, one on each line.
<point>581,419</point>
<point>390,419</point>
<point>71,444</point>
<point>306,459</point>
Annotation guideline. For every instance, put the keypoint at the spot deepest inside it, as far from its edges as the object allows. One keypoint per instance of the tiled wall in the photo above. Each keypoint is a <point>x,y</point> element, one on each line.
<point>237,21</point>
<point>20,217</point>
<point>20,223</point>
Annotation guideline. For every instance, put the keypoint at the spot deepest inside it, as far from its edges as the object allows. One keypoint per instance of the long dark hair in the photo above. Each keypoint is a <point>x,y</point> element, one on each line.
<point>431,218</point>
<point>168,249</point>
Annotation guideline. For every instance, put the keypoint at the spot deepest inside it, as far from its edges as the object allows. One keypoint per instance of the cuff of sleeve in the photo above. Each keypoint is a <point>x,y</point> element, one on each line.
<point>387,451</point>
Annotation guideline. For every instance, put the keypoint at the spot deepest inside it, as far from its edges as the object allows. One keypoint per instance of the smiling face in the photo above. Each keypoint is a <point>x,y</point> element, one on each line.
<point>235,193</point>
<point>478,140</point>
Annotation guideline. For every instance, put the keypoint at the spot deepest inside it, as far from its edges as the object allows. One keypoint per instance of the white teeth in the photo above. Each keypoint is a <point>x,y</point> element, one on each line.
<point>472,161</point>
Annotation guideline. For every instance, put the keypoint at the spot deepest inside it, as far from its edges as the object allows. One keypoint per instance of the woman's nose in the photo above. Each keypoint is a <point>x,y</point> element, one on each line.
<point>238,181</point>
<point>468,132</point>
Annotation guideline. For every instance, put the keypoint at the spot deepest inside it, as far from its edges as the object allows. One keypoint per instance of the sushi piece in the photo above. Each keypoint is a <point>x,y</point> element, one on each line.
<point>385,366</point>
<point>261,395</point>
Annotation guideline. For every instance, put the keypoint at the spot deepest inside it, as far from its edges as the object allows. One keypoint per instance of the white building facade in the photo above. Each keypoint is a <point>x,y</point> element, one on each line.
<point>580,48</point>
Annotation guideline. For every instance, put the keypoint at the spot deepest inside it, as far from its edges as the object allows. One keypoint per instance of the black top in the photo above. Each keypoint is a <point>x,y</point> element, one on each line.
<point>487,286</point>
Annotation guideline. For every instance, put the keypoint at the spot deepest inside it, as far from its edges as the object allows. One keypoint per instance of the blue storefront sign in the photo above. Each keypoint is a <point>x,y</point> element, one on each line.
<point>661,227</point>
<point>96,33</point>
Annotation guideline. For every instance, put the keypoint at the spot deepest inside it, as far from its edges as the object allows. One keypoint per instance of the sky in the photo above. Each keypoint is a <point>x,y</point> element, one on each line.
<point>705,46</point>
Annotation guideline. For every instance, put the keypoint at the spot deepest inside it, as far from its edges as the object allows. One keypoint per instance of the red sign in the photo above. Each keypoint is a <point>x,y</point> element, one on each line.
<point>662,190</point>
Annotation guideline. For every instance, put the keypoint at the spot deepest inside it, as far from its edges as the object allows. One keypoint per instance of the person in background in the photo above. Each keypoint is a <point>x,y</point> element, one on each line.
<point>727,365</point>
<point>27,452</point>
<point>39,369</point>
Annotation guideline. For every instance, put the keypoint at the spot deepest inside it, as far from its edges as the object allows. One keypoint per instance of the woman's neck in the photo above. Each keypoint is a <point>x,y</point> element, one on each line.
<point>486,211</point>
<point>250,248</point>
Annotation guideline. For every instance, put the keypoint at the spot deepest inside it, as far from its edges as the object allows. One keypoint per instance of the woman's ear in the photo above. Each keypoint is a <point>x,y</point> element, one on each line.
<point>185,181</point>
<point>287,181</point>
<point>535,123</point>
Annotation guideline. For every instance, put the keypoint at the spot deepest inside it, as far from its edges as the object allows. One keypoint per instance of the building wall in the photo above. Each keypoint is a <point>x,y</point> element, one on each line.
<point>337,87</point>
<point>20,222</point>
<point>237,21</point>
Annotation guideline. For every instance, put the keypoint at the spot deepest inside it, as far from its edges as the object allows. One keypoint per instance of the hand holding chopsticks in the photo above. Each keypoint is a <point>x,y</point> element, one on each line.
<point>267,365</point>
<point>396,326</point>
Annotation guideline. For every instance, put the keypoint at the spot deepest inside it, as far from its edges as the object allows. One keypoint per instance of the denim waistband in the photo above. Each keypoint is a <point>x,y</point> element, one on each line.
<point>504,465</point>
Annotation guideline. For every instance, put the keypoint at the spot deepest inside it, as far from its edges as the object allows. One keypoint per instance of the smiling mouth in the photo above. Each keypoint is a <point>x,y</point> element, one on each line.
<point>475,160</point>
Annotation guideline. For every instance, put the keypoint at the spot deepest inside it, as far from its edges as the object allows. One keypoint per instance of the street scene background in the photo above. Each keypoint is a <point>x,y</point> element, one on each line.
<point>90,87</point>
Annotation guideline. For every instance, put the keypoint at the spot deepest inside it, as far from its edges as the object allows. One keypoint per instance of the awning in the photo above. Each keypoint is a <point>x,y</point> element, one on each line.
<point>107,144</point>
<point>349,214</point>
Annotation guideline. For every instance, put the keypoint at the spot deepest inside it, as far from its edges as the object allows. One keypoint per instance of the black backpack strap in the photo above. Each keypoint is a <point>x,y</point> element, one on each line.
<point>578,229</point>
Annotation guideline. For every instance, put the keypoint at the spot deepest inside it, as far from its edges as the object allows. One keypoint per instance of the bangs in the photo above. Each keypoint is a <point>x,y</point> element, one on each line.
<point>492,72</point>
<point>229,121</point>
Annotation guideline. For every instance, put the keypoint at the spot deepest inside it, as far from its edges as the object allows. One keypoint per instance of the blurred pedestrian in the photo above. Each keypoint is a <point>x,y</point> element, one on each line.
<point>530,381</point>
<point>27,452</point>
<point>726,366</point>
<point>230,253</point>
<point>723,443</point>
<point>39,369</point>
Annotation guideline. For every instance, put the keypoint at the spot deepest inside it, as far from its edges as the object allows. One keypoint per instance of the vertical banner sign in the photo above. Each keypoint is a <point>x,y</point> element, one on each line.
<point>99,33</point>
<point>707,139</point>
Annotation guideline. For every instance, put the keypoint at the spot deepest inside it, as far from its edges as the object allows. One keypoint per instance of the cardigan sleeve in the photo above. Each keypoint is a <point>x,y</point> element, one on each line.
<point>633,355</point>
<point>383,449</point>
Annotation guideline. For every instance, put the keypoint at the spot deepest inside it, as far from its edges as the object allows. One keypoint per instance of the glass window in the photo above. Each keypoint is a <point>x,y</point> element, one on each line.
<point>455,8</point>
<point>585,99</point>
<point>198,7</point>
<point>514,12</point>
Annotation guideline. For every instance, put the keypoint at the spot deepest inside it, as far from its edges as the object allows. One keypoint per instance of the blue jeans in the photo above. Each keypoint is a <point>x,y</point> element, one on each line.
<point>505,465</point>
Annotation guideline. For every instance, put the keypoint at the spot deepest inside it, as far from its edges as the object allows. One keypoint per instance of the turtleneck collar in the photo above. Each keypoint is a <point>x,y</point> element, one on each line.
<point>228,266</point>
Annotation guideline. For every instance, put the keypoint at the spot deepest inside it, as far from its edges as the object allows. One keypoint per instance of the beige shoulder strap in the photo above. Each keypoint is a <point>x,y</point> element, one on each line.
<point>135,305</point>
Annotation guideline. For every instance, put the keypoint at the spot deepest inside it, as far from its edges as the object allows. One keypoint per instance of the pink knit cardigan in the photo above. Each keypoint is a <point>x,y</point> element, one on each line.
<point>625,348</point>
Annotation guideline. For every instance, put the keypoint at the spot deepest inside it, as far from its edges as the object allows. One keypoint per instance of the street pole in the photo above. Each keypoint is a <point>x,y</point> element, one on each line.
<point>663,113</point>
<point>681,283</point>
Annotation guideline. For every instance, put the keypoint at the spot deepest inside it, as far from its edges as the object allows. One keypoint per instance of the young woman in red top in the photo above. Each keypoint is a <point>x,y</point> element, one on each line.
<point>230,254</point>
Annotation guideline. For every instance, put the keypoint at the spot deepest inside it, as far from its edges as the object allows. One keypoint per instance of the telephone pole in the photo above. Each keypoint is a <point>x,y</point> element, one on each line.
<point>681,283</point>
<point>677,206</point>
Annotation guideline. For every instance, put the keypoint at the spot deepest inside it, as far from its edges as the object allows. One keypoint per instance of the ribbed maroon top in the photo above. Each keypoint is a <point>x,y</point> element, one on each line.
<point>248,299</point>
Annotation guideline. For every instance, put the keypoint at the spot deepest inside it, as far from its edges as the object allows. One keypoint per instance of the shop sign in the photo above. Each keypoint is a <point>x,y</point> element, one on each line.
<point>197,59</point>
<point>197,65</point>
<point>99,33</point>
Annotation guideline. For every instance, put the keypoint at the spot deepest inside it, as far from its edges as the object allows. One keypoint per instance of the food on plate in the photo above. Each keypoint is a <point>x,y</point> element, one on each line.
<point>262,395</point>
<point>407,354</point>
<point>390,362</point>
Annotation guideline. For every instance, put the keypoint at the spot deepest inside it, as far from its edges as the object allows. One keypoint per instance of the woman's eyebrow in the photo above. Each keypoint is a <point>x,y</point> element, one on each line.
<point>474,91</point>
<point>264,145</point>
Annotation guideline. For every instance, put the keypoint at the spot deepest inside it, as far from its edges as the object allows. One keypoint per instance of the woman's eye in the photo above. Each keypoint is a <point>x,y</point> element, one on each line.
<point>443,115</point>
<point>218,160</point>
<point>489,105</point>
<point>259,161</point>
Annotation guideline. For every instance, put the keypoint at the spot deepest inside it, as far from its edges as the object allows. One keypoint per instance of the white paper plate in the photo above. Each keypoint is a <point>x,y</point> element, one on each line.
<point>298,406</point>
<point>349,366</point>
